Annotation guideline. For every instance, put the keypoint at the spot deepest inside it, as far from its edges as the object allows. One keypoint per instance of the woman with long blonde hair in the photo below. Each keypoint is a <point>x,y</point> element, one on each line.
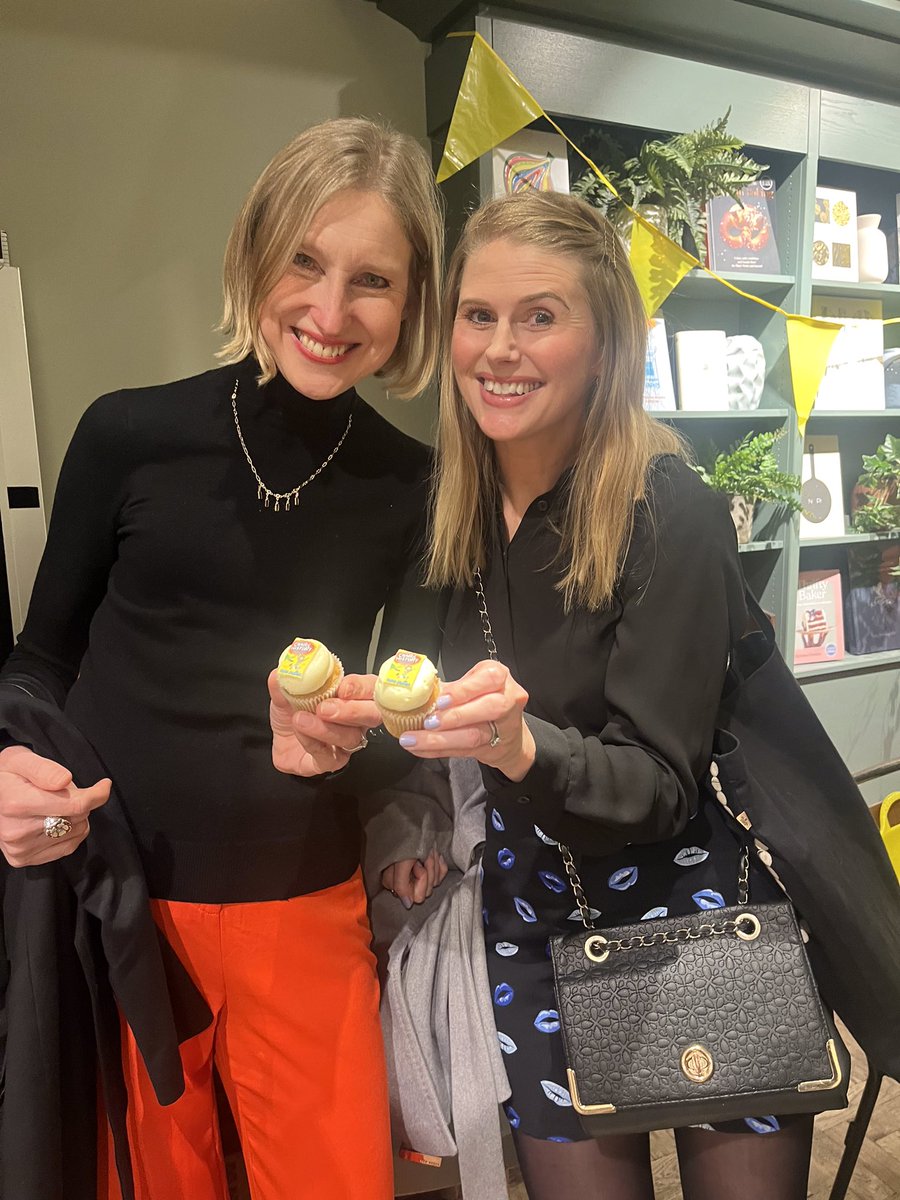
<point>596,593</point>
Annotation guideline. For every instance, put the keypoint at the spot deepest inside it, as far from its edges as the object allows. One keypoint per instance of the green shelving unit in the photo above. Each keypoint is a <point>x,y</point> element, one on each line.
<point>808,136</point>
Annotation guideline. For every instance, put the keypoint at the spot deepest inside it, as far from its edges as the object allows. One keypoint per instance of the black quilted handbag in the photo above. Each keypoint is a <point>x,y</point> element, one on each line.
<point>692,1020</point>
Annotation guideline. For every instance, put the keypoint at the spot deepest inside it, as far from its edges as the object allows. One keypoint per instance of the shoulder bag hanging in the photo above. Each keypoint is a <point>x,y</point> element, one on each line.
<point>691,1020</point>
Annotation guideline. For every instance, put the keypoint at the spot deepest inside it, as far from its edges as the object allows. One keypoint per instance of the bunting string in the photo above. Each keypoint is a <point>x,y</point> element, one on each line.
<point>493,105</point>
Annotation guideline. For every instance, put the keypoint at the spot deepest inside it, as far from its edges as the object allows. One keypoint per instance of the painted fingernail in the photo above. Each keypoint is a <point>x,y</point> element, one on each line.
<point>432,722</point>
<point>406,902</point>
<point>444,700</point>
<point>407,739</point>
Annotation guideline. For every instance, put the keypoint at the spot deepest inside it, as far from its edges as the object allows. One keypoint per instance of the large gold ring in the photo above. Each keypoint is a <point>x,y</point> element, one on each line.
<point>57,827</point>
<point>495,734</point>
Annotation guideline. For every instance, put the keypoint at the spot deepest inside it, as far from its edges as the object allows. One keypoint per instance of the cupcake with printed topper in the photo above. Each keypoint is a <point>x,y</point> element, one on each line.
<point>308,673</point>
<point>406,691</point>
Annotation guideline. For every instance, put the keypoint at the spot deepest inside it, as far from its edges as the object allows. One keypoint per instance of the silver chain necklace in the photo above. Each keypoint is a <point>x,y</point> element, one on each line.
<point>262,491</point>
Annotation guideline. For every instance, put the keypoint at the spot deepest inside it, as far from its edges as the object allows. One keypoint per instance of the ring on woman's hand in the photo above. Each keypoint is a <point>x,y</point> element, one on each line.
<point>57,827</point>
<point>495,734</point>
<point>363,742</point>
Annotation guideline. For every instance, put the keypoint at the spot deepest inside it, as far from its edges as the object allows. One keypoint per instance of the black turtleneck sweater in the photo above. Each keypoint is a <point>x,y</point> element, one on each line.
<point>167,592</point>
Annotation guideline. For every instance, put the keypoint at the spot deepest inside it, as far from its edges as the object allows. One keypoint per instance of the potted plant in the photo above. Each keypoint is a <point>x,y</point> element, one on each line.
<point>669,181</point>
<point>875,501</point>
<point>749,475</point>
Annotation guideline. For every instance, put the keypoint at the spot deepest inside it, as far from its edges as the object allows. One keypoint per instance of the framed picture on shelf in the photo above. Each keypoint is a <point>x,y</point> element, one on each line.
<point>821,489</point>
<point>835,250</point>
<point>659,391</point>
<point>700,365</point>
<point>819,627</point>
<point>531,159</point>
<point>741,233</point>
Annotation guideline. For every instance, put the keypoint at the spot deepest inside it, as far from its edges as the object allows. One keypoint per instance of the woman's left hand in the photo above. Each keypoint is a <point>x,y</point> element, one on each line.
<point>412,880</point>
<point>309,744</point>
<point>485,705</point>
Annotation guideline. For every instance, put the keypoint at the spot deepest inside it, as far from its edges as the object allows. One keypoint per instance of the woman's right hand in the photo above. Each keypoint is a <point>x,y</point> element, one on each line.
<point>33,788</point>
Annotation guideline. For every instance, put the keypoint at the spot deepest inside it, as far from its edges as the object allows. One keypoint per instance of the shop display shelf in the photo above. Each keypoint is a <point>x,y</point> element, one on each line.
<point>851,664</point>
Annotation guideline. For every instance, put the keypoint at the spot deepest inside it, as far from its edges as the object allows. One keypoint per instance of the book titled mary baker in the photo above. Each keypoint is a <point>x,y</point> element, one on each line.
<point>819,628</point>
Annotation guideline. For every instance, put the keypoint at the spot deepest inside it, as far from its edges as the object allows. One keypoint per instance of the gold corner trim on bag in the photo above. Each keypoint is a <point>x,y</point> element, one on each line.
<point>837,1074</point>
<point>591,1110</point>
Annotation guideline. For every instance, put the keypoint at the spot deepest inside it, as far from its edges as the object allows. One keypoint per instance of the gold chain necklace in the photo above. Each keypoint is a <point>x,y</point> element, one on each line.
<point>265,493</point>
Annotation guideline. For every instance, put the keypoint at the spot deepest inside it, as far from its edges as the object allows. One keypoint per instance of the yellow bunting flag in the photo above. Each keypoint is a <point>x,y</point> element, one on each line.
<point>657,262</point>
<point>809,344</point>
<point>491,106</point>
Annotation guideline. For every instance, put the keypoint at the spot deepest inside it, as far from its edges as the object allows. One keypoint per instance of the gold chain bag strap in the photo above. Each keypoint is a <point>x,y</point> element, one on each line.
<point>695,1019</point>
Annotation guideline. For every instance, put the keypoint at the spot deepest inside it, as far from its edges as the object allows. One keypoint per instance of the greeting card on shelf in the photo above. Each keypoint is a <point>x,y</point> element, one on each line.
<point>835,247</point>
<point>700,364</point>
<point>741,233</point>
<point>530,159</point>
<point>846,308</point>
<point>821,489</point>
<point>659,391</point>
<point>819,628</point>
<point>873,605</point>
<point>854,373</point>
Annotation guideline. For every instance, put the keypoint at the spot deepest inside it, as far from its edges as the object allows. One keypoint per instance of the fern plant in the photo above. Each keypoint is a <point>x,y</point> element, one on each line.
<point>680,173</point>
<point>750,469</point>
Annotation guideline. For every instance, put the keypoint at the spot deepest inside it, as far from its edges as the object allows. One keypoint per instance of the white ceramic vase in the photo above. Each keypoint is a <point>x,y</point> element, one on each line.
<point>873,253</point>
<point>745,366</point>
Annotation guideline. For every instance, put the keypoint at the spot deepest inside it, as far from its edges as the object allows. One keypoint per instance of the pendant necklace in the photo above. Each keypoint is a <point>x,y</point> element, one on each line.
<point>262,491</point>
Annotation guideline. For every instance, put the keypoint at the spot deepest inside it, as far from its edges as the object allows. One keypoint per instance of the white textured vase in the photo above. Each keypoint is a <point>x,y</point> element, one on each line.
<point>873,253</point>
<point>745,365</point>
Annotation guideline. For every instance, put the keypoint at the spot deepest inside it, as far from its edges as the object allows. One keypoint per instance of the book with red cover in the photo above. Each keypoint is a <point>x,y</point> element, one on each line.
<point>819,628</point>
<point>741,235</point>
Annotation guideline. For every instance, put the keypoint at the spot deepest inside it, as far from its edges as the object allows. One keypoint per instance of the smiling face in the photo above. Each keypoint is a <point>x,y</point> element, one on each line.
<point>334,316</point>
<point>524,346</point>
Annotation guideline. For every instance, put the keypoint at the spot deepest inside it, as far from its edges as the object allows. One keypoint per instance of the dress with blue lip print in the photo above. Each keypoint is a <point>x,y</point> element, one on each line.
<point>528,899</point>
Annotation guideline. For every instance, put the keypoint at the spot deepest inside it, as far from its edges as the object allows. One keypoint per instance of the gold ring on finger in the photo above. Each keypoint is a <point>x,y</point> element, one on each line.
<point>57,827</point>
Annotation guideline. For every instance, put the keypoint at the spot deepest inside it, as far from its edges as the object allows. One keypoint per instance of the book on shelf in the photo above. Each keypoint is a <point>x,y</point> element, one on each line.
<point>819,627</point>
<point>740,234</point>
<point>854,373</point>
<point>700,365</point>
<point>821,489</point>
<point>659,391</point>
<point>530,159</point>
<point>835,251</point>
<point>873,601</point>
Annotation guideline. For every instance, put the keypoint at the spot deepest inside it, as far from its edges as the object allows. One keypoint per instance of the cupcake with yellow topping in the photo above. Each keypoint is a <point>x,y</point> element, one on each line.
<point>308,673</point>
<point>406,691</point>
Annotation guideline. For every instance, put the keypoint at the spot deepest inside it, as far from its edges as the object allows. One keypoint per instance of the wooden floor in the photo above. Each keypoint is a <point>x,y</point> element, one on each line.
<point>877,1175</point>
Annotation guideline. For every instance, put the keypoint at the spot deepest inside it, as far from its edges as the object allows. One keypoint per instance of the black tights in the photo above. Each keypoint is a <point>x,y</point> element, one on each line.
<point>713,1166</point>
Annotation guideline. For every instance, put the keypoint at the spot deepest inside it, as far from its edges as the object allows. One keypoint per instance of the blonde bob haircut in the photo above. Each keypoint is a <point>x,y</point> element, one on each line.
<point>619,439</point>
<point>349,152</point>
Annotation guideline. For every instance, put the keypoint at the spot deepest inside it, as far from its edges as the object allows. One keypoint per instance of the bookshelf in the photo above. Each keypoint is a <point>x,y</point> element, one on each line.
<point>808,136</point>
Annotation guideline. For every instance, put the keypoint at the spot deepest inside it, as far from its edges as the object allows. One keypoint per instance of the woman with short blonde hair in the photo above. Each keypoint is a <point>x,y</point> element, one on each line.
<point>349,153</point>
<point>200,526</point>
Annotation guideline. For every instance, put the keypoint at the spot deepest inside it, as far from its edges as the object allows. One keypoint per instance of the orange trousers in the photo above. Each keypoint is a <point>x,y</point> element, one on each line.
<point>296,1040</point>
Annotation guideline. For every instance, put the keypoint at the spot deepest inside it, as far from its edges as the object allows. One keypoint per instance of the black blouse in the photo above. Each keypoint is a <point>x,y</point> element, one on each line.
<point>622,702</point>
